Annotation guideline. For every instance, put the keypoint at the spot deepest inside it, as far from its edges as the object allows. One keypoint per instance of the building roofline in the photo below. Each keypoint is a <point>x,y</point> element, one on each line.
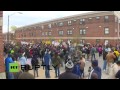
<point>67,17</point>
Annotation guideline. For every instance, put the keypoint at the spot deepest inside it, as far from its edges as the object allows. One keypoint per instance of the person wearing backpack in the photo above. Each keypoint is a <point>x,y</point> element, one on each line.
<point>34,63</point>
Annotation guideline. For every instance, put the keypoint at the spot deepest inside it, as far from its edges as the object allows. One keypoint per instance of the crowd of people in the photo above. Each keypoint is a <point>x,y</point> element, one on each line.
<point>72,58</point>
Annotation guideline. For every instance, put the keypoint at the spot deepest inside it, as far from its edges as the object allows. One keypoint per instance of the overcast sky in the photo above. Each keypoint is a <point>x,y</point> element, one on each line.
<point>31,17</point>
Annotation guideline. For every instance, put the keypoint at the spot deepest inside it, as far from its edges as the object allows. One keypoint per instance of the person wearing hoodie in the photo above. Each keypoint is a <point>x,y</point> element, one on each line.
<point>76,69</point>
<point>8,60</point>
<point>96,69</point>
<point>47,62</point>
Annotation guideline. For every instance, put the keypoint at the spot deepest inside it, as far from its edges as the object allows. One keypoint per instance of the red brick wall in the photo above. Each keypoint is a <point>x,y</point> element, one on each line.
<point>2,69</point>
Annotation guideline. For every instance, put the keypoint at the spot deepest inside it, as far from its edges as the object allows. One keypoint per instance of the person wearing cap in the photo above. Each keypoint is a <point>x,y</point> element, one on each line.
<point>110,60</point>
<point>68,73</point>
<point>96,69</point>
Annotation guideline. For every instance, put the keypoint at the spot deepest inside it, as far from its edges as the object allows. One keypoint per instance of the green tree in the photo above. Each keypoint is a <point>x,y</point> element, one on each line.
<point>13,28</point>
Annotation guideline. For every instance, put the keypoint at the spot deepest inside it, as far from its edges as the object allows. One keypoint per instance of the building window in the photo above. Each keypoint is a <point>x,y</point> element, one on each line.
<point>49,33</point>
<point>106,18</point>
<point>97,40</point>
<point>82,31</point>
<point>60,32</point>
<point>82,41</point>
<point>82,21</point>
<point>49,26</point>
<point>69,32</point>
<point>60,24</point>
<point>42,33</point>
<point>69,22</point>
<point>97,17</point>
<point>107,31</point>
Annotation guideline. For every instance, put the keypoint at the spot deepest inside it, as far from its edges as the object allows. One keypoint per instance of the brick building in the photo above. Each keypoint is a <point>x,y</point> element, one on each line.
<point>2,67</point>
<point>11,37</point>
<point>93,27</point>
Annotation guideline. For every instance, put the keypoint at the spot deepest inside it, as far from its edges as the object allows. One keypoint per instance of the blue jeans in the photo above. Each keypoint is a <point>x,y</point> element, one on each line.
<point>57,71</point>
<point>93,55</point>
<point>104,65</point>
<point>47,71</point>
<point>9,75</point>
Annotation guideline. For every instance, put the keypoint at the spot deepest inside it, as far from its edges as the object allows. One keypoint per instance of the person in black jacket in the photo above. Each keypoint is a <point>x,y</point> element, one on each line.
<point>68,73</point>
<point>118,74</point>
<point>35,63</point>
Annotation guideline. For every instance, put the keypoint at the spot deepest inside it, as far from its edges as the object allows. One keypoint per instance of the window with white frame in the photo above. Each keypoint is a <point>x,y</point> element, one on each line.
<point>97,17</point>
<point>82,41</point>
<point>106,18</point>
<point>60,24</point>
<point>82,31</point>
<point>82,21</point>
<point>60,32</point>
<point>69,22</point>
<point>106,30</point>
<point>69,32</point>
<point>49,25</point>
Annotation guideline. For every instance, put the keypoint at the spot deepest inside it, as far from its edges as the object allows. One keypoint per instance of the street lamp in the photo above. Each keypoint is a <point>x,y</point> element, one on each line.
<point>9,22</point>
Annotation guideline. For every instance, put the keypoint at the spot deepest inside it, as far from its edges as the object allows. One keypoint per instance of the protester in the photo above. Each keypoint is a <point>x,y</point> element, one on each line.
<point>118,75</point>
<point>96,69</point>
<point>17,74</point>
<point>26,74</point>
<point>76,69</point>
<point>94,76</point>
<point>35,63</point>
<point>110,60</point>
<point>82,65</point>
<point>68,73</point>
<point>56,61</point>
<point>47,63</point>
<point>8,60</point>
<point>113,70</point>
